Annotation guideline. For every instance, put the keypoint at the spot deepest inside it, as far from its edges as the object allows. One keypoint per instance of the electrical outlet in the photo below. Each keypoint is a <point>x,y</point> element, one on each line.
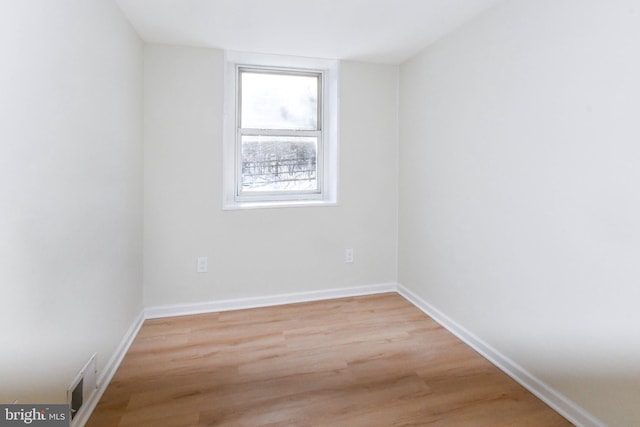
<point>203,262</point>
<point>348,255</point>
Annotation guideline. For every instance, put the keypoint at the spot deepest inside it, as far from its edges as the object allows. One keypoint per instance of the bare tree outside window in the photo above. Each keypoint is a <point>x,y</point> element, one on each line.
<point>279,163</point>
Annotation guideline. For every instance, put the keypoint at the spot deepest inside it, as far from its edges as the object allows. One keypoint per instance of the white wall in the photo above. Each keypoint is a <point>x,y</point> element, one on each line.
<point>70,191</point>
<point>260,252</point>
<point>519,199</point>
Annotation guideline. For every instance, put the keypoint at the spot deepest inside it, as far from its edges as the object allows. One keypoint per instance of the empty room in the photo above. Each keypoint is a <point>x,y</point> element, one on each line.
<point>320,213</point>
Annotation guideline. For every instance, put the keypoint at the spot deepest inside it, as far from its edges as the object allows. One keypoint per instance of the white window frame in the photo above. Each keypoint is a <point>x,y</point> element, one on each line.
<point>327,133</point>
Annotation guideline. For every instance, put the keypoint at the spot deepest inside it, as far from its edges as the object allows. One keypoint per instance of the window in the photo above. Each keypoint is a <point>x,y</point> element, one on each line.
<point>280,131</point>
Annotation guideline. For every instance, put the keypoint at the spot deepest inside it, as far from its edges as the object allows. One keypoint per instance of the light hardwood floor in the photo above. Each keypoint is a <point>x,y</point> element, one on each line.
<point>363,361</point>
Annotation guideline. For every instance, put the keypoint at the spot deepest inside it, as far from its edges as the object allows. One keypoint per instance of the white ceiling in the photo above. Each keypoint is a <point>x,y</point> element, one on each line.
<point>383,31</point>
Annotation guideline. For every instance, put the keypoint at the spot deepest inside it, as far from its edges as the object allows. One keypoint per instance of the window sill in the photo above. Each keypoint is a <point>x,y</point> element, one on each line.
<point>278,204</point>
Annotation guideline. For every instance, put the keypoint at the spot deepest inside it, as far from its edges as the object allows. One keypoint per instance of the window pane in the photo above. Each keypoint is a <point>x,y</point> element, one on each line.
<point>279,163</point>
<point>279,101</point>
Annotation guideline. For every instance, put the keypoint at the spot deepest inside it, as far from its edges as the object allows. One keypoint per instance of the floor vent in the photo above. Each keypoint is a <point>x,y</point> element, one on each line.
<point>83,385</point>
<point>76,398</point>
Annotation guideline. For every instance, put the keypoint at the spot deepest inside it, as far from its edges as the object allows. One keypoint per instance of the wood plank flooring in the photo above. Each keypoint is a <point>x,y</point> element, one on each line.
<point>363,361</point>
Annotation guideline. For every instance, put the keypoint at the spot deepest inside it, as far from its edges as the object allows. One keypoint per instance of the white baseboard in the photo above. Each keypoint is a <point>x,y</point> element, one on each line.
<point>108,372</point>
<point>266,301</point>
<point>564,406</point>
